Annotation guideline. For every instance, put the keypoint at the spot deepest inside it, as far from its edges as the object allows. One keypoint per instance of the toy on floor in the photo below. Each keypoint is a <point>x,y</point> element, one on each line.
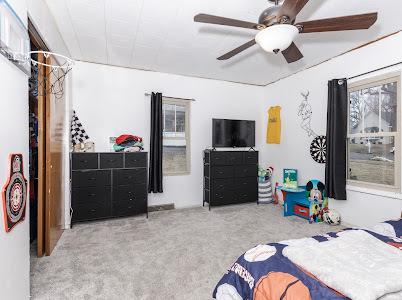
<point>278,195</point>
<point>264,185</point>
<point>332,217</point>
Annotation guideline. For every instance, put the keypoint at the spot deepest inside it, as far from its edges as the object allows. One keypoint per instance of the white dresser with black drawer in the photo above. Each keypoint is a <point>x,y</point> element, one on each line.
<point>230,177</point>
<point>106,185</point>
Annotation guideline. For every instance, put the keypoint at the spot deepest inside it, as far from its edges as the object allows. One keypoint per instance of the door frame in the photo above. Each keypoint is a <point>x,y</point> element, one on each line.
<point>46,237</point>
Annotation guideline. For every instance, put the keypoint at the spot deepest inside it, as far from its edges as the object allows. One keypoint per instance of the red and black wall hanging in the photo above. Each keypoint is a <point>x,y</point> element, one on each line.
<point>14,194</point>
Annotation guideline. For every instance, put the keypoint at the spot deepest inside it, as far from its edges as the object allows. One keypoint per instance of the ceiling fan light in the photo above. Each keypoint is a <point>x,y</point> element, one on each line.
<point>276,38</point>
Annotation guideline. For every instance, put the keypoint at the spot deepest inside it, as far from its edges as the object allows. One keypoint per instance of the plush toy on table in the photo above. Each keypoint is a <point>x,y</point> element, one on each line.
<point>315,192</point>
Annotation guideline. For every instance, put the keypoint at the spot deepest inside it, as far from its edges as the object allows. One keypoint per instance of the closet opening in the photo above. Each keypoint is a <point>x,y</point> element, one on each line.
<point>46,125</point>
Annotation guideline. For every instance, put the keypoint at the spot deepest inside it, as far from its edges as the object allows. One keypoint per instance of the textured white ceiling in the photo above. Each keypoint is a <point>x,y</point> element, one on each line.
<point>160,35</point>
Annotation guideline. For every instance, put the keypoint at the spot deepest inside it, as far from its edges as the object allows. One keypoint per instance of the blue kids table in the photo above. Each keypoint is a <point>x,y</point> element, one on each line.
<point>295,202</point>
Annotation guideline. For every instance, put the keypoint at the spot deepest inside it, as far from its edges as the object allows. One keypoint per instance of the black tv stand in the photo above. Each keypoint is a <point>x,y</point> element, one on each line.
<point>230,177</point>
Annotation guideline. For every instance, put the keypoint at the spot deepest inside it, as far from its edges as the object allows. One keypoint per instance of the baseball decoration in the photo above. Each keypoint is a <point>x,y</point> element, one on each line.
<point>15,194</point>
<point>332,217</point>
<point>259,253</point>
<point>227,292</point>
<point>318,149</point>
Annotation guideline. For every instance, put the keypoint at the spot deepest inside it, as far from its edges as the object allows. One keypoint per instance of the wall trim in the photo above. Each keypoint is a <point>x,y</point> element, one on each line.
<point>384,194</point>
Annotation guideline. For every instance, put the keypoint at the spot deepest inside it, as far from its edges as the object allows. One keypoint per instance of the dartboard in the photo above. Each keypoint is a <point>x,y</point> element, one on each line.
<point>318,149</point>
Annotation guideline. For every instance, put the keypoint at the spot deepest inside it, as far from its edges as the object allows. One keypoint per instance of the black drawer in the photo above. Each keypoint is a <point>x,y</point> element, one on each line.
<point>235,158</point>
<point>226,158</point>
<point>249,195</point>
<point>222,184</point>
<point>91,211</point>
<point>222,172</point>
<point>130,193</point>
<point>246,183</point>
<point>246,171</point>
<point>223,197</point>
<point>97,178</point>
<point>129,209</point>
<point>90,195</point>
<point>251,158</point>
<point>82,161</point>
<point>218,158</point>
<point>129,176</point>
<point>111,160</point>
<point>135,160</point>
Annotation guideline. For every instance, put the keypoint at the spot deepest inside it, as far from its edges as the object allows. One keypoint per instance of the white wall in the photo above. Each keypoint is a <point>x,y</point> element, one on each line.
<point>363,207</point>
<point>110,101</point>
<point>45,23</point>
<point>14,246</point>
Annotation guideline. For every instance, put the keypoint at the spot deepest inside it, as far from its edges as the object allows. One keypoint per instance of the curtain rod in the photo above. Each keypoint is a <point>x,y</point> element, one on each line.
<point>187,99</point>
<point>372,71</point>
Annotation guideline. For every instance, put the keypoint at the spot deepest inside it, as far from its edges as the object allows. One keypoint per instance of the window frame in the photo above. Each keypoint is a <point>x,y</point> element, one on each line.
<point>367,83</point>
<point>187,105</point>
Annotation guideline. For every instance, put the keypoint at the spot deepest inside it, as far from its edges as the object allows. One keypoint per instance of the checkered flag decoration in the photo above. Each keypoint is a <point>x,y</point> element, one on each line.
<point>78,133</point>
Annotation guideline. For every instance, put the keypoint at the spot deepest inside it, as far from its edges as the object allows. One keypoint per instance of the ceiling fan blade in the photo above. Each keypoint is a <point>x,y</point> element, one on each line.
<point>291,8</point>
<point>237,50</point>
<point>292,53</point>
<point>210,19</point>
<point>353,22</point>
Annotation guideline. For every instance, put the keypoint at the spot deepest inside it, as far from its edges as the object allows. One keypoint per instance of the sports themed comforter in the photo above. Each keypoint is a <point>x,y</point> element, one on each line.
<point>353,263</point>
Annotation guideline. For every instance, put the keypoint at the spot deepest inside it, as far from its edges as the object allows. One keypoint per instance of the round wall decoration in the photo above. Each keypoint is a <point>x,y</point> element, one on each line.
<point>318,149</point>
<point>15,193</point>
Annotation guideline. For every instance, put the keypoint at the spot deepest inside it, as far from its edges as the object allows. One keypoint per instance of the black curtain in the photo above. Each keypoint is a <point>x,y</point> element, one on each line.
<point>335,166</point>
<point>155,183</point>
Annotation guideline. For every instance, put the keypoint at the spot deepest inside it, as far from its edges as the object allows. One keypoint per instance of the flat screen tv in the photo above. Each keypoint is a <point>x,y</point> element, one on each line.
<point>233,133</point>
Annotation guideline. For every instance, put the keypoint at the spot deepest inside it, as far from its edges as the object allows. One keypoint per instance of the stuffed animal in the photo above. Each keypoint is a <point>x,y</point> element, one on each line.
<point>261,174</point>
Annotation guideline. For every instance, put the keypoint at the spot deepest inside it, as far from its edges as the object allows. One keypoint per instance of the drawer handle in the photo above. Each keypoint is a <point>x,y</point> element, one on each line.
<point>111,160</point>
<point>220,172</point>
<point>129,177</point>
<point>221,186</point>
<point>244,183</point>
<point>131,199</point>
<point>84,161</point>
<point>302,210</point>
<point>93,210</point>
<point>91,195</point>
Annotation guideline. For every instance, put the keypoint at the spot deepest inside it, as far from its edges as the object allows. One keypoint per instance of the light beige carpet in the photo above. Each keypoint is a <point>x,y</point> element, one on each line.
<point>179,254</point>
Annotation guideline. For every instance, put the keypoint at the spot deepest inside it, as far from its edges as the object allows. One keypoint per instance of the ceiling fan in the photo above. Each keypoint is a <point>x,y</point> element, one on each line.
<point>277,28</point>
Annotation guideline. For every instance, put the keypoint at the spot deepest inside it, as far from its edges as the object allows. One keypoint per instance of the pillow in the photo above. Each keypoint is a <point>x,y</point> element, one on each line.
<point>391,228</point>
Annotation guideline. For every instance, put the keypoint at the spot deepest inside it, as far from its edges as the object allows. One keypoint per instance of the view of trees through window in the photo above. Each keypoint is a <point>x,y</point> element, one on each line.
<point>174,137</point>
<point>372,133</point>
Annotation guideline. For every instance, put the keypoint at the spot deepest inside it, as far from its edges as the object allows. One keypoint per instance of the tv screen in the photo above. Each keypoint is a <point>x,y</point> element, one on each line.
<point>233,133</point>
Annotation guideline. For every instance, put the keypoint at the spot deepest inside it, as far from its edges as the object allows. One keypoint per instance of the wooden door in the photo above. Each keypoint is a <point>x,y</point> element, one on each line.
<point>54,208</point>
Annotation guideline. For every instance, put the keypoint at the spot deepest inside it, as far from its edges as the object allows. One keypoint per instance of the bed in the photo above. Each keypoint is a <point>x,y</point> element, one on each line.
<point>350,264</point>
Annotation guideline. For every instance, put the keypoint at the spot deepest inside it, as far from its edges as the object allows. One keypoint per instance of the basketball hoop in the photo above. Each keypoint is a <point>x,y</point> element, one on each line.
<point>52,73</point>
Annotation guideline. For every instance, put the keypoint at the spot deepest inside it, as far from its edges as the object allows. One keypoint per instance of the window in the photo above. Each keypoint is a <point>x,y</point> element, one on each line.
<point>374,133</point>
<point>176,136</point>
